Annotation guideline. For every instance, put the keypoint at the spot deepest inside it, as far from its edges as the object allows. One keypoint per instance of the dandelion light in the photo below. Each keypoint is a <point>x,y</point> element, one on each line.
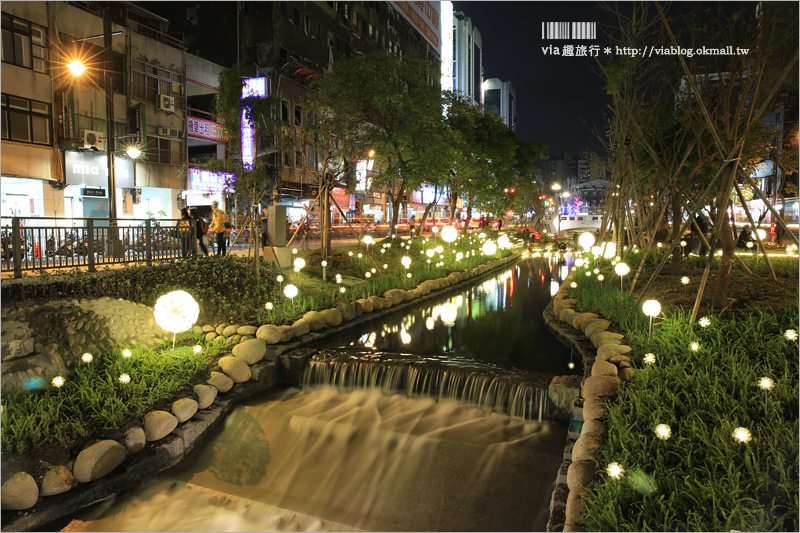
<point>600,277</point>
<point>342,290</point>
<point>489,248</point>
<point>360,255</point>
<point>663,431</point>
<point>58,382</point>
<point>573,285</point>
<point>350,254</point>
<point>570,365</point>
<point>294,251</point>
<point>742,435</point>
<point>622,270</point>
<point>368,275</point>
<point>615,470</point>
<point>705,322</point>
<point>766,384</point>
<point>87,358</point>
<point>685,280</point>
<point>299,263</point>
<point>586,240</point>
<point>197,348</point>
<point>126,353</point>
<point>124,378</point>
<point>790,334</point>
<point>694,346</point>
<point>268,306</point>
<point>649,358</point>
<point>176,312</point>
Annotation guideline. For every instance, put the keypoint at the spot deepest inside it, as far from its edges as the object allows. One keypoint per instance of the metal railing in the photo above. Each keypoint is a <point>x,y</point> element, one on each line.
<point>52,243</point>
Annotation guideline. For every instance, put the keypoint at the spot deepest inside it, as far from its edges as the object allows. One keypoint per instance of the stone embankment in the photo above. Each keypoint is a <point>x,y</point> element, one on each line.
<point>260,358</point>
<point>606,365</point>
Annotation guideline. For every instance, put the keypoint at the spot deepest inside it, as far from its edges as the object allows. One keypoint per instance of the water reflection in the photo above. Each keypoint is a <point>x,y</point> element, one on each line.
<point>498,321</point>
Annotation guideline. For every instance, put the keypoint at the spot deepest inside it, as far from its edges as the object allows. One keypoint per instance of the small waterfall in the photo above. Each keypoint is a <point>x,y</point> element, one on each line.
<point>518,394</point>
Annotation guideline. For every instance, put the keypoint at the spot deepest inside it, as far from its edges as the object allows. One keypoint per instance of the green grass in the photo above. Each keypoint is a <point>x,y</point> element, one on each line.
<point>701,479</point>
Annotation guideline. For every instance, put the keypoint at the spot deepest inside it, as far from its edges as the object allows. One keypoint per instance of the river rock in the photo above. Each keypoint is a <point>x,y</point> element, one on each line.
<point>582,320</point>
<point>604,368</point>
<point>301,327</point>
<point>570,318</point>
<point>377,302</point>
<point>565,314</point>
<point>269,333</point>
<point>19,492</point>
<point>315,319</point>
<point>596,325</point>
<point>581,473</point>
<point>612,350</point>
<point>397,295</point>
<point>235,368</point>
<point>423,289</point>
<point>575,508</point>
<point>211,335</point>
<point>251,352</point>
<point>620,359</point>
<point>230,331</point>
<point>415,293</point>
<point>562,392</point>
<point>247,330</point>
<point>56,480</point>
<point>565,303</point>
<point>99,459</point>
<point>594,408</point>
<point>347,310</point>
<point>626,373</point>
<point>134,440</point>
<point>358,308</point>
<point>594,426</point>
<point>600,386</point>
<point>332,317</point>
<point>221,328</point>
<point>205,395</point>
<point>184,409</point>
<point>208,327</point>
<point>287,331</point>
<point>387,302</point>
<point>605,336</point>
<point>587,446</point>
<point>366,305</point>
<point>220,381</point>
<point>157,425</point>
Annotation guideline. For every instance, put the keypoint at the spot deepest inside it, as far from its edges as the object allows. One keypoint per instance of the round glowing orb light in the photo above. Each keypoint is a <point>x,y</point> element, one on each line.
<point>126,353</point>
<point>683,243</point>
<point>268,306</point>
<point>651,308</point>
<point>573,285</point>
<point>579,262</point>
<point>294,251</point>
<point>694,346</point>
<point>58,381</point>
<point>766,383</point>
<point>408,275</point>
<point>489,248</point>
<point>649,358</point>
<point>342,290</point>
<point>459,256</point>
<point>406,261</point>
<point>685,280</point>
<point>449,234</point>
<point>124,378</point>
<point>367,239</point>
<point>570,365</point>
<point>350,254</point>
<point>449,314</point>
<point>290,291</point>
<point>615,470</point>
<point>705,322</point>
<point>430,252</point>
<point>429,323</point>
<point>761,234</point>
<point>663,431</point>
<point>87,357</point>
<point>368,274</point>
<point>600,277</point>
<point>659,244</point>
<point>596,270</point>
<point>360,255</point>
<point>588,273</point>
<point>790,335</point>
<point>622,269</point>
<point>324,263</point>
<point>279,278</point>
<point>439,249</point>
<point>586,240</point>
<point>299,263</point>
<point>741,434</point>
<point>503,241</point>
<point>609,250</point>
<point>385,266</point>
<point>176,311</point>
<point>596,250</point>
<point>482,235</point>
<point>435,229</point>
<point>749,244</point>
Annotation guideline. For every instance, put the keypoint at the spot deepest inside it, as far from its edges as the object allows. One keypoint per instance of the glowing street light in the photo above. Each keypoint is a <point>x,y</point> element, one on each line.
<point>766,384</point>
<point>77,68</point>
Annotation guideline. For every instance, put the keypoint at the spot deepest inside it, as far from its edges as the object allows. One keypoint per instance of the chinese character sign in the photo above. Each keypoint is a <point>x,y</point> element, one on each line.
<point>205,180</point>
<point>197,127</point>
<point>253,87</point>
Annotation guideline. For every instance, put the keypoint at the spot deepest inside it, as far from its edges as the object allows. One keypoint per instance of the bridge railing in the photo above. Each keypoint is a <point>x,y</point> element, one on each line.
<point>52,242</point>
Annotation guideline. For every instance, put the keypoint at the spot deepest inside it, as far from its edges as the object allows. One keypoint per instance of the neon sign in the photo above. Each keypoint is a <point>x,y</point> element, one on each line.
<point>253,87</point>
<point>205,180</point>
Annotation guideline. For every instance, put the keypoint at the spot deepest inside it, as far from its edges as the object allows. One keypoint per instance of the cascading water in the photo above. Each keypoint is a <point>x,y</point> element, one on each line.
<point>434,420</point>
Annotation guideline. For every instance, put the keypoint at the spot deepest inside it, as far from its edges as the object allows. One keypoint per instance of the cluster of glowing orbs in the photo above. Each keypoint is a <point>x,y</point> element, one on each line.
<point>176,311</point>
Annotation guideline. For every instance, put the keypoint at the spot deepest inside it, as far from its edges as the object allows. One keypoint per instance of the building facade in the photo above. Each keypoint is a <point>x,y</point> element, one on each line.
<point>58,128</point>
<point>467,58</point>
<point>500,100</point>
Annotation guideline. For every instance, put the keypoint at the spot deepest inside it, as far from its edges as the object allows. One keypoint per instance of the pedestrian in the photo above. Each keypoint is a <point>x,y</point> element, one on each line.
<point>744,237</point>
<point>264,233</point>
<point>219,224</point>
<point>200,229</point>
<point>184,231</point>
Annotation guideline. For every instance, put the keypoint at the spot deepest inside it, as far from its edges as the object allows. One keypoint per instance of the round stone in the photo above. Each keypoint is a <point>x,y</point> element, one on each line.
<point>99,459</point>
<point>269,333</point>
<point>235,368</point>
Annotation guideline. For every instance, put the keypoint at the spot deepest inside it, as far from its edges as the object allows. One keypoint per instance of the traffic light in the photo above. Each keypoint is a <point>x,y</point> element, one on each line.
<point>512,190</point>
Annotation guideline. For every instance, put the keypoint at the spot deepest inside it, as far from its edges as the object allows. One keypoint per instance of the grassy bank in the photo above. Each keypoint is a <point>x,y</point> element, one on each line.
<point>701,478</point>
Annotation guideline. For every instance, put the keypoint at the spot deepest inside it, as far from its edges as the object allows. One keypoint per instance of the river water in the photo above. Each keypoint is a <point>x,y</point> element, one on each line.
<point>433,420</point>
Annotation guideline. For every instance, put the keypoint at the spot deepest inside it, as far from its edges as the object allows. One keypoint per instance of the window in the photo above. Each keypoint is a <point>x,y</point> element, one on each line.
<point>287,159</point>
<point>319,32</point>
<point>149,82</point>
<point>284,7</point>
<point>26,120</point>
<point>298,115</point>
<point>307,25</point>
<point>24,43</point>
<point>355,18</point>
<point>284,111</point>
<point>166,151</point>
<point>370,29</point>
<point>296,17</point>
<point>298,159</point>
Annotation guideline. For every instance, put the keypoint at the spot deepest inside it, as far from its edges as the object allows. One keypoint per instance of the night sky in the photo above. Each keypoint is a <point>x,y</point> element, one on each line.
<point>559,99</point>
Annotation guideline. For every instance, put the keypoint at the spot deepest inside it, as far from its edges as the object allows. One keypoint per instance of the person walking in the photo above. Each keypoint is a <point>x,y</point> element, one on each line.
<point>264,232</point>
<point>200,229</point>
<point>184,231</point>
<point>219,224</point>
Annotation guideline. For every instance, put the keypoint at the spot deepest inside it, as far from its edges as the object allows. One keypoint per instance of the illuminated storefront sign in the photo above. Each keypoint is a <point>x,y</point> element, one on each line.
<point>205,180</point>
<point>253,87</point>
<point>87,168</point>
<point>197,127</point>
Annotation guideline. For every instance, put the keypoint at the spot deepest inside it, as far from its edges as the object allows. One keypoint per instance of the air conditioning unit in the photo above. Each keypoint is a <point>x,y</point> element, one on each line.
<point>169,132</point>
<point>93,140</point>
<point>166,103</point>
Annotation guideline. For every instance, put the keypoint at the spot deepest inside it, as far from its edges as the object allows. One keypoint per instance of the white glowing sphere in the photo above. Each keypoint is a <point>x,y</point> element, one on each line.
<point>429,323</point>
<point>663,431</point>
<point>749,244</point>
<point>299,263</point>
<point>503,241</point>
<point>651,308</point>
<point>596,250</point>
<point>439,249</point>
<point>649,358</point>
<point>742,435</point>
<point>790,335</point>
<point>683,243</point>
<point>385,266</point>
<point>621,269</point>
<point>482,235</point>
<point>197,348</point>
<point>435,229</point>
<point>124,378</point>
<point>268,306</point>
<point>126,353</point>
<point>449,314</point>
<point>615,470</point>
<point>449,234</point>
<point>87,357</point>
<point>766,383</point>
<point>294,250</point>
<point>685,280</point>
<point>609,250</point>
<point>368,274</point>
<point>705,322</point>
<point>408,275</point>
<point>360,255</point>
<point>324,263</point>
<point>350,254</point>
<point>586,240</point>
<point>570,365</point>
<point>58,381</point>
<point>761,234</point>
<point>459,256</point>
<point>573,285</point>
<point>367,239</point>
<point>489,248</point>
<point>430,252</point>
<point>694,346</point>
<point>600,277</point>
<point>342,290</point>
<point>176,311</point>
<point>279,278</point>
<point>290,291</point>
<point>406,261</point>
<point>579,262</point>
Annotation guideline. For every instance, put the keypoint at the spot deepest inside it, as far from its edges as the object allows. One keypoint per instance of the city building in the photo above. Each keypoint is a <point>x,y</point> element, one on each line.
<point>467,58</point>
<point>500,100</point>
<point>65,135</point>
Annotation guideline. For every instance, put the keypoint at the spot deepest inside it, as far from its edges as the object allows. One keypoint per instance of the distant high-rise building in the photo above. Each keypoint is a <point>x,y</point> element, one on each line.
<point>500,100</point>
<point>467,58</point>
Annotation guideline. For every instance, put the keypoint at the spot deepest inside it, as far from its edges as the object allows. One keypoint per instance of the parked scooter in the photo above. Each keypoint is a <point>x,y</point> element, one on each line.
<point>8,246</point>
